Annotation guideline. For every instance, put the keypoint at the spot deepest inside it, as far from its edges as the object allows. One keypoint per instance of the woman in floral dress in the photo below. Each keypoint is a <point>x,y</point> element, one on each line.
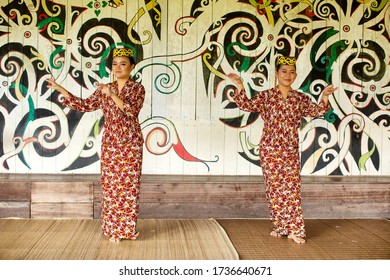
<point>122,143</point>
<point>282,110</point>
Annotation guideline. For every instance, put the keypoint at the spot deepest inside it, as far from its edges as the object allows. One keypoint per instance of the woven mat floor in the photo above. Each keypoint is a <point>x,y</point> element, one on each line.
<point>159,239</point>
<point>344,239</point>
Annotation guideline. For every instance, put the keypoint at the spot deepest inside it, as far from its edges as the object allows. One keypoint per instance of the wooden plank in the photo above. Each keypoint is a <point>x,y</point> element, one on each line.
<point>17,209</point>
<point>172,192</point>
<point>97,210</point>
<point>202,211</point>
<point>357,193</point>
<point>15,191</point>
<point>38,177</point>
<point>62,210</point>
<point>61,192</point>
<point>187,210</point>
<point>345,210</point>
<point>154,178</point>
<point>97,192</point>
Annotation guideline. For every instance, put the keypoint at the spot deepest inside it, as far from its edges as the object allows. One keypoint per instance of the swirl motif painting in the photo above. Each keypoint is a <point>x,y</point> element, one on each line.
<point>184,49</point>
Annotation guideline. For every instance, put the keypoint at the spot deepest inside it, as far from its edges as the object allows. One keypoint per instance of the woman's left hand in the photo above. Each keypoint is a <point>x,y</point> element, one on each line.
<point>105,89</point>
<point>329,90</point>
<point>326,92</point>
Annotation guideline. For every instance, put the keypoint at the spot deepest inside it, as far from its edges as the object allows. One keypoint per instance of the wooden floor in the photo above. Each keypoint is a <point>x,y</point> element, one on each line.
<point>245,239</point>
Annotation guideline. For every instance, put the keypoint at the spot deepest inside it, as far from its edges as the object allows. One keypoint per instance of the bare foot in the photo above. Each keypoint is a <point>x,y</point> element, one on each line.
<point>134,236</point>
<point>274,234</point>
<point>297,239</point>
<point>115,239</point>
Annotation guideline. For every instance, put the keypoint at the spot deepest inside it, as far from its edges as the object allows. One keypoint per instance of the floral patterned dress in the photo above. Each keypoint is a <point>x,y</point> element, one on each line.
<point>279,152</point>
<point>121,156</point>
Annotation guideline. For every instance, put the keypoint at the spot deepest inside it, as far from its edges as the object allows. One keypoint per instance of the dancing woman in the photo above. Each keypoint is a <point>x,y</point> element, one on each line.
<point>122,143</point>
<point>282,109</point>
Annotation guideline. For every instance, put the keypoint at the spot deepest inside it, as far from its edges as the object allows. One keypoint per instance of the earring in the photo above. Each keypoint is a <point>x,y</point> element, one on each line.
<point>112,77</point>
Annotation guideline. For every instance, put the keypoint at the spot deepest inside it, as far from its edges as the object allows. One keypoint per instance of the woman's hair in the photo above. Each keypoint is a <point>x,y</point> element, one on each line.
<point>285,60</point>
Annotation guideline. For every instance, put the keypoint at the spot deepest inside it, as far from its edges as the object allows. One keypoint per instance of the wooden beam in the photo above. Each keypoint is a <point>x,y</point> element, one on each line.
<point>168,196</point>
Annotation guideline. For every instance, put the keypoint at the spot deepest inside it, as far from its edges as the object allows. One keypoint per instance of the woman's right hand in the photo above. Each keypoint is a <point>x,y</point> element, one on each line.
<point>53,85</point>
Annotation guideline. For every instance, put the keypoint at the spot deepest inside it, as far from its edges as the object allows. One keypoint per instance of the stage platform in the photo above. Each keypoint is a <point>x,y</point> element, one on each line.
<point>78,196</point>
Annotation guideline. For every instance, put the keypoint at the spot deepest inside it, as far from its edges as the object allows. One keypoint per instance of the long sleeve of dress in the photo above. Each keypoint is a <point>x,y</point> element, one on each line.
<point>134,102</point>
<point>89,104</point>
<point>254,104</point>
<point>311,109</point>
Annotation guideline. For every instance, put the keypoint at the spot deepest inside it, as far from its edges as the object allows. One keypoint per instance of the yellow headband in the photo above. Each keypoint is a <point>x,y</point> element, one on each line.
<point>284,60</point>
<point>123,52</point>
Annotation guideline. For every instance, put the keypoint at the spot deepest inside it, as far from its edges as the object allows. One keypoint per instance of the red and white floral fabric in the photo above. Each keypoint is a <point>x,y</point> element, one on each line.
<point>121,156</point>
<point>279,152</point>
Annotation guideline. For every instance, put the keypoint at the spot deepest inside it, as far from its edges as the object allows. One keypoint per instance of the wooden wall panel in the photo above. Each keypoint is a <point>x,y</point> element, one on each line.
<point>15,191</point>
<point>15,198</point>
<point>62,200</point>
<point>15,209</point>
<point>47,210</point>
<point>244,197</point>
<point>196,197</point>
<point>197,200</point>
<point>346,200</point>
<point>61,192</point>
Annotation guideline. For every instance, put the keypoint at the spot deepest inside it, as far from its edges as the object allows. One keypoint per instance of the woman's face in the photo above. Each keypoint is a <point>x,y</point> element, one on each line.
<point>286,75</point>
<point>121,67</point>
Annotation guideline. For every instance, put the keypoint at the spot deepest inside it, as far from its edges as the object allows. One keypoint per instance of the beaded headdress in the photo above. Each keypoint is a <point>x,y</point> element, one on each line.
<point>126,52</point>
<point>284,60</point>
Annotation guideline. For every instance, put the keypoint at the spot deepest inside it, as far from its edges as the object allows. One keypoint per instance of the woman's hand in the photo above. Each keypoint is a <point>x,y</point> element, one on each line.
<point>329,90</point>
<point>53,85</point>
<point>105,89</point>
<point>236,80</point>
<point>326,92</point>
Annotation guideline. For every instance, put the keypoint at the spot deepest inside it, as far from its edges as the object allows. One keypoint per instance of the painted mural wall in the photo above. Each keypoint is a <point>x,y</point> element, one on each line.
<point>184,49</point>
